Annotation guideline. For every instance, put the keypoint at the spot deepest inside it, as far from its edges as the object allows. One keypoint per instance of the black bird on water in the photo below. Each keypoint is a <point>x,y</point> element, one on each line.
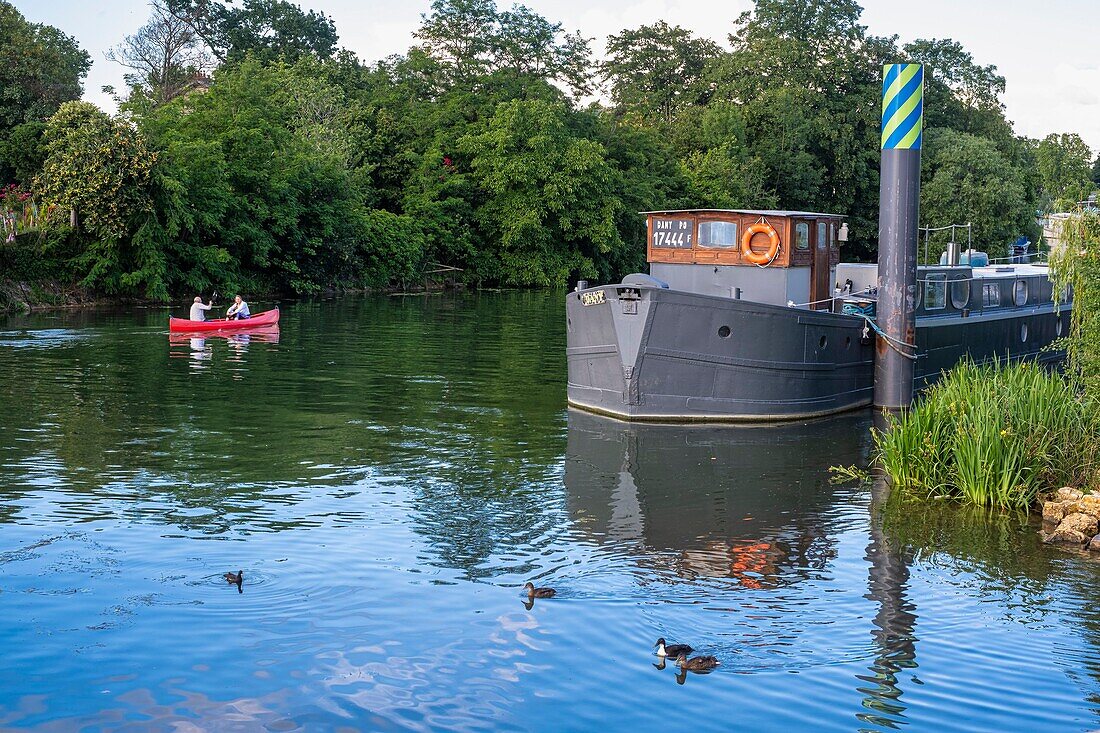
<point>671,650</point>
<point>236,579</point>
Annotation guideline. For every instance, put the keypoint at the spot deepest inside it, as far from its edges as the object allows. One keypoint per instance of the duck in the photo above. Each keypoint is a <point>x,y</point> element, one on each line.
<point>533,592</point>
<point>672,650</point>
<point>697,664</point>
<point>234,578</point>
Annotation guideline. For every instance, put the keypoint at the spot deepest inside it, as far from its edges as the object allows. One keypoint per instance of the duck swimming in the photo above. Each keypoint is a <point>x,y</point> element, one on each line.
<point>235,579</point>
<point>697,664</point>
<point>533,592</point>
<point>671,650</point>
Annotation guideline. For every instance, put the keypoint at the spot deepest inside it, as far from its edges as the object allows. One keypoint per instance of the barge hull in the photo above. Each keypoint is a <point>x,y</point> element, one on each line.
<point>662,355</point>
<point>654,354</point>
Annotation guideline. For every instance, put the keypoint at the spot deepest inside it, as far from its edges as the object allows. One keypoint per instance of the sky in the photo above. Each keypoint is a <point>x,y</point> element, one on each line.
<point>1046,51</point>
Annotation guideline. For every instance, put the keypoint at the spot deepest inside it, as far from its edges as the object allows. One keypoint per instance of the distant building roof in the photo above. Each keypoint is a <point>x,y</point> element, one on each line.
<point>751,212</point>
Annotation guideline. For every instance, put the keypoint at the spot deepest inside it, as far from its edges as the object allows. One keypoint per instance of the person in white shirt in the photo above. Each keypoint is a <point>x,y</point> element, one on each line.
<point>238,310</point>
<point>197,309</point>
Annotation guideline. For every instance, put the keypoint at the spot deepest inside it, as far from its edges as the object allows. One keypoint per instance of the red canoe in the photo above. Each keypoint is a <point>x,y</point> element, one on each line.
<point>184,325</point>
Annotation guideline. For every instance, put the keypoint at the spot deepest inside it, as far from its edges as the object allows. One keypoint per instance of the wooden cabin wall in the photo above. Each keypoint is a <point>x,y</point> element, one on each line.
<point>788,256</point>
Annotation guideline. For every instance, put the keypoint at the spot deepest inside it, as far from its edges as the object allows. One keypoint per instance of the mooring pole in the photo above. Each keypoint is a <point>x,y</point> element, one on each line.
<point>898,212</point>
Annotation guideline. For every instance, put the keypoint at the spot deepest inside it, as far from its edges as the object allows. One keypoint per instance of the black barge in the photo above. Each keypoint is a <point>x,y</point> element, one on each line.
<point>750,316</point>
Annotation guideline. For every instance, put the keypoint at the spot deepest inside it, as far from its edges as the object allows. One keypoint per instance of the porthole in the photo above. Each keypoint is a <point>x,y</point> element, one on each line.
<point>960,294</point>
<point>1019,292</point>
<point>823,342</point>
<point>1023,332</point>
<point>847,342</point>
<point>724,332</point>
<point>569,323</point>
<point>1058,327</point>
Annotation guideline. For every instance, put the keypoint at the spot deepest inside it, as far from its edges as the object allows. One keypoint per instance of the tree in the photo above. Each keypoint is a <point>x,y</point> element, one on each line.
<point>959,93</point>
<point>259,167</point>
<point>1064,170</point>
<point>40,68</point>
<point>22,152</point>
<point>101,168</point>
<point>808,77</point>
<point>267,29</point>
<point>469,40</point>
<point>165,55</point>
<point>656,70</point>
<point>966,178</point>
<point>1096,170</point>
<point>548,196</point>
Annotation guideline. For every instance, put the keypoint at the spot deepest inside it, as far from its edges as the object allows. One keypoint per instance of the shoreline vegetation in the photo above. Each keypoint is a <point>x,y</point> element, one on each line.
<point>252,153</point>
<point>1016,436</point>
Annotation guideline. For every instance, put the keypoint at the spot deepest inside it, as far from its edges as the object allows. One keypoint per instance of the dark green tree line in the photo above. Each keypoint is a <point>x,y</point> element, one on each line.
<point>251,152</point>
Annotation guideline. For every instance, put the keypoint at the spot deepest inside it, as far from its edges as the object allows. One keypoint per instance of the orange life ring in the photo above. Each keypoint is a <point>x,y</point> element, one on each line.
<point>764,258</point>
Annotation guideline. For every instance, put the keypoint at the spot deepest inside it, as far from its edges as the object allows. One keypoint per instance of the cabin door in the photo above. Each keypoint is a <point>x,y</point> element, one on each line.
<point>820,287</point>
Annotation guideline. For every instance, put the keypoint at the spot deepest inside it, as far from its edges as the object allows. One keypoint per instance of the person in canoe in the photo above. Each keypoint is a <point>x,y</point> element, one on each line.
<point>239,309</point>
<point>197,309</point>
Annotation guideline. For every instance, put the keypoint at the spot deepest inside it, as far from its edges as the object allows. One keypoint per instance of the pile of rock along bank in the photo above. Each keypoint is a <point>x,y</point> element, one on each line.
<point>1071,516</point>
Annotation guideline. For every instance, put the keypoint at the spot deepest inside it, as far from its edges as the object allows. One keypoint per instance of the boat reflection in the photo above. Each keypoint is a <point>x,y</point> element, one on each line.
<point>752,503</point>
<point>199,349</point>
<point>263,334</point>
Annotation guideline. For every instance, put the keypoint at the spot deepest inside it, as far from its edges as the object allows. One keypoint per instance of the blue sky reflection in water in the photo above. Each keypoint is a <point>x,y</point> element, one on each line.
<point>389,471</point>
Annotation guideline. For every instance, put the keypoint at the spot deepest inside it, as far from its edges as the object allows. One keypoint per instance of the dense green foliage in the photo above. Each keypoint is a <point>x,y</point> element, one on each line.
<point>957,442</point>
<point>294,166</point>
<point>1076,264</point>
<point>40,67</point>
<point>1063,164</point>
<point>270,30</point>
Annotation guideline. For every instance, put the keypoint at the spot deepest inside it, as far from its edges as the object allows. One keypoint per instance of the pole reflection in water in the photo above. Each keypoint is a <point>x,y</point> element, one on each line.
<point>894,622</point>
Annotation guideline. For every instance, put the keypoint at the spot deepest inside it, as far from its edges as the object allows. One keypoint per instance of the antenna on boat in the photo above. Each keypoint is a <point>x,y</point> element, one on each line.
<point>899,209</point>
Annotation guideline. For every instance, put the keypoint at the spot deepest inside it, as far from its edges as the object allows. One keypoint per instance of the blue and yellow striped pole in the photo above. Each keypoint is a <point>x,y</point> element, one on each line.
<point>902,106</point>
<point>899,211</point>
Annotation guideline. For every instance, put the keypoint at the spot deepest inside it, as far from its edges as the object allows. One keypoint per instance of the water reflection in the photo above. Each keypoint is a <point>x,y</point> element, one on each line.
<point>752,504</point>
<point>390,482</point>
<point>894,621</point>
<point>199,349</point>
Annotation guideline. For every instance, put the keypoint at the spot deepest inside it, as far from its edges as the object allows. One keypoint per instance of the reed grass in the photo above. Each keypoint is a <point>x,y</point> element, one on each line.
<point>994,435</point>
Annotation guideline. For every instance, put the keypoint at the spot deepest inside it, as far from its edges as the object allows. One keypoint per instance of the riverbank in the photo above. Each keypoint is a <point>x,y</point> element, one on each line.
<point>27,297</point>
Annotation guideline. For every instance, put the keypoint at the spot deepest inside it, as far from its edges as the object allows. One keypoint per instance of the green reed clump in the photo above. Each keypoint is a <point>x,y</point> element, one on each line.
<point>995,436</point>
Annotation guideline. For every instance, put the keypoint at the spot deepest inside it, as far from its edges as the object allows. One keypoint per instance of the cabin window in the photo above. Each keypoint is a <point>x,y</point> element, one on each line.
<point>802,235</point>
<point>960,293</point>
<point>1019,292</point>
<point>717,234</point>
<point>822,235</point>
<point>991,295</point>
<point>935,292</point>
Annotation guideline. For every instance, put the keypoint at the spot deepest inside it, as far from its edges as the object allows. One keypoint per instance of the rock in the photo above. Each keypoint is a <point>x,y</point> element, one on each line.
<point>1078,522</point>
<point>1087,504</point>
<point>1053,511</point>
<point>1067,493</point>
<point>1094,543</point>
<point>1064,535</point>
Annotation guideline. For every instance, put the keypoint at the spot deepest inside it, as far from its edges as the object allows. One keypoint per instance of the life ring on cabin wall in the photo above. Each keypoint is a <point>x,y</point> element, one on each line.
<point>763,258</point>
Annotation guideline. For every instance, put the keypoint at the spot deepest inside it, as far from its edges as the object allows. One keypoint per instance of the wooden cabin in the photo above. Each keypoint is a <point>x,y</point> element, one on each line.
<point>775,257</point>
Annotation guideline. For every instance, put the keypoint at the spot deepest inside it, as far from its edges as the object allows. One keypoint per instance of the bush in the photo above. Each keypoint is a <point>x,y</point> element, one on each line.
<point>994,436</point>
<point>1075,264</point>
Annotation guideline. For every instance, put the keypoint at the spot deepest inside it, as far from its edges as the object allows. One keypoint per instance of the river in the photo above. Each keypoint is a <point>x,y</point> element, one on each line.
<point>389,471</point>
